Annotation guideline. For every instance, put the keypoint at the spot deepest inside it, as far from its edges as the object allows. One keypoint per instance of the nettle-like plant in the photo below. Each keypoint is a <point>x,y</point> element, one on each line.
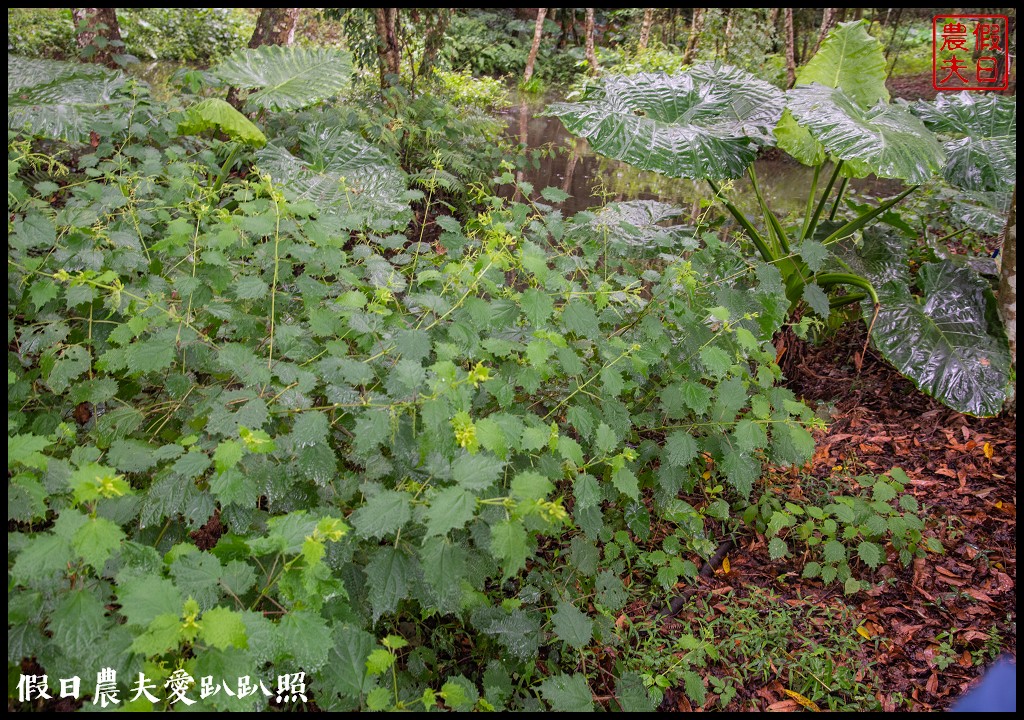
<point>710,123</point>
<point>250,436</point>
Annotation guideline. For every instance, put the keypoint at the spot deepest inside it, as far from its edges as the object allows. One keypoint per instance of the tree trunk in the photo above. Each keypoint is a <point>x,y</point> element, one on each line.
<point>728,34</point>
<point>790,50</point>
<point>1008,278</point>
<point>829,18</point>
<point>591,55</point>
<point>275,26</point>
<point>538,30</point>
<point>99,35</point>
<point>645,28</point>
<point>435,22</point>
<point>691,42</point>
<point>387,44</point>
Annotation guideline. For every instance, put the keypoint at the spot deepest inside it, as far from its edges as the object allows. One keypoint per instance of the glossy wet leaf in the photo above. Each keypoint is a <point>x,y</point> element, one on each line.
<point>216,114</point>
<point>982,154</point>
<point>62,100</point>
<point>343,175</point>
<point>948,342</point>
<point>643,224</point>
<point>708,122</point>
<point>286,77</point>
<point>885,139</point>
<point>850,59</point>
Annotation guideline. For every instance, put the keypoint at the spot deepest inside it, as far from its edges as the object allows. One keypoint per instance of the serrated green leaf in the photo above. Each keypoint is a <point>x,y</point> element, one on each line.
<point>77,622</point>
<point>579,318</point>
<point>882,491</point>
<point>626,483</point>
<point>852,586</point>
<point>223,628</point>
<point>450,509</point>
<point>632,695</point>
<point>750,435</point>
<point>161,635</point>
<point>537,306</point>
<point>817,300</point>
<point>383,514</point>
<point>567,693</point>
<point>572,626</point>
<point>305,638</point>
<point>509,545</point>
<point>144,597</point>
<point>716,360</point>
<point>478,471</point>
<point>96,540</point>
<point>870,554</point>
<point>777,548</point>
<point>27,450</point>
<point>834,552</point>
<point>530,485</point>
<point>695,689</point>
<point>390,574</point>
<point>680,448</point>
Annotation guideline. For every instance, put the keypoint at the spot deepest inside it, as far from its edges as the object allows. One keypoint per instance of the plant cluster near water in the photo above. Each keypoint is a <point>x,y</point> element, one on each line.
<point>709,123</point>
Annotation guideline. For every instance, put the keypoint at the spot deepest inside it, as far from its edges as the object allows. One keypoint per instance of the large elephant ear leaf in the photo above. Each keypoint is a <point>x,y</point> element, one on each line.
<point>983,152</point>
<point>286,77</point>
<point>709,122</point>
<point>347,179</point>
<point>849,59</point>
<point>216,114</point>
<point>885,140</point>
<point>641,224</point>
<point>61,100</point>
<point>949,341</point>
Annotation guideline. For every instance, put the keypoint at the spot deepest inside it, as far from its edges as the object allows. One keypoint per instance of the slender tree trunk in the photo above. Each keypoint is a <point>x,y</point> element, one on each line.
<point>645,28</point>
<point>564,37</point>
<point>1008,278</point>
<point>387,43</point>
<point>99,31</point>
<point>773,22</point>
<point>829,18</point>
<point>591,55</point>
<point>790,50</point>
<point>275,26</point>
<point>538,31</point>
<point>435,22</point>
<point>728,34</point>
<point>691,42</point>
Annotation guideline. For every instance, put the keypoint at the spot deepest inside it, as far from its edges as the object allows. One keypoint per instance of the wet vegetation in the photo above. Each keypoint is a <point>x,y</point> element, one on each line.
<point>621,359</point>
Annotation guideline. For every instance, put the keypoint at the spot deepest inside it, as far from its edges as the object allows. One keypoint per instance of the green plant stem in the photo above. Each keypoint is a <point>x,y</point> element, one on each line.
<point>273,286</point>
<point>839,302</point>
<point>755,237</point>
<point>775,229</point>
<point>225,168</point>
<point>863,220</point>
<point>810,202</point>
<point>812,226</point>
<point>827,280</point>
<point>839,198</point>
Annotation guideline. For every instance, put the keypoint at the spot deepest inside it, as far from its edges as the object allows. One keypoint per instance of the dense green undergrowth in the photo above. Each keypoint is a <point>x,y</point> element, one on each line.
<point>293,391</point>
